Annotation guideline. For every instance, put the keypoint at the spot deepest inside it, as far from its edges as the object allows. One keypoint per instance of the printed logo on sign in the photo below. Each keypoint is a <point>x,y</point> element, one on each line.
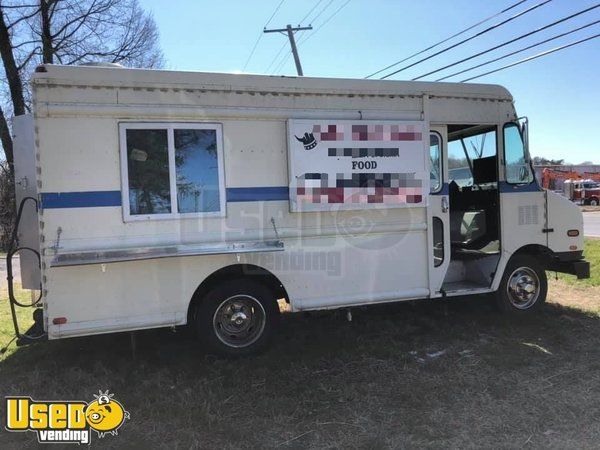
<point>308,140</point>
<point>66,422</point>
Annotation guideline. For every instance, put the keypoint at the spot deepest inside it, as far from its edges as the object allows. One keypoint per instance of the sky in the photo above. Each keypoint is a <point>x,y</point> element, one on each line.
<point>559,93</point>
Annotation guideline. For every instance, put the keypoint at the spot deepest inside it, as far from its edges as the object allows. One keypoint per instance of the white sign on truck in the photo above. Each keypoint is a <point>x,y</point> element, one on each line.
<point>356,164</point>
<point>155,198</point>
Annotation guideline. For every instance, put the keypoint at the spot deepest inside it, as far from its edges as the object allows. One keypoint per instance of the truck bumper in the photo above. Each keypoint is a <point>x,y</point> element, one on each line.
<point>571,263</point>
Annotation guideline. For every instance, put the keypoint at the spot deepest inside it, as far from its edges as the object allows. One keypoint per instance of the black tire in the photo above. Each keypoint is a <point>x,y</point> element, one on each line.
<point>593,202</point>
<point>522,274</point>
<point>224,334</point>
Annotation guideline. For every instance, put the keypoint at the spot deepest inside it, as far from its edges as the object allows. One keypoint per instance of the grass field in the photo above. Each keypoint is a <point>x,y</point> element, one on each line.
<point>427,374</point>
<point>592,254</point>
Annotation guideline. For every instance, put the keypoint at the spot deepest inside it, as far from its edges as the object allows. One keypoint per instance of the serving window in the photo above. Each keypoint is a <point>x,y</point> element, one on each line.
<point>172,170</point>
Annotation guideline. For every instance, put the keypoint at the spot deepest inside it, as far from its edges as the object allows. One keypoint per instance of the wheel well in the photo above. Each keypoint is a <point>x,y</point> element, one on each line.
<point>236,271</point>
<point>540,252</point>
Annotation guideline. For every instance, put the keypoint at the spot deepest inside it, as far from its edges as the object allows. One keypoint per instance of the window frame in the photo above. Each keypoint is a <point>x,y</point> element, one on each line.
<point>525,154</point>
<point>441,165</point>
<point>491,128</point>
<point>170,127</point>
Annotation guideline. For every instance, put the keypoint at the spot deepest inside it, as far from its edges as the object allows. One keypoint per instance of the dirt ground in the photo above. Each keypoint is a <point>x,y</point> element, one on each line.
<point>424,374</point>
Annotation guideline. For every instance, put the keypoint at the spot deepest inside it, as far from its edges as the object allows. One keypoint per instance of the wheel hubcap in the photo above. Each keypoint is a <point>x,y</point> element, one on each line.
<point>239,321</point>
<point>523,288</point>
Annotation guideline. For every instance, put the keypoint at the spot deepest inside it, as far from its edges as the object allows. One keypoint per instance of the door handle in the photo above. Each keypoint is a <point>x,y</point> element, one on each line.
<point>444,204</point>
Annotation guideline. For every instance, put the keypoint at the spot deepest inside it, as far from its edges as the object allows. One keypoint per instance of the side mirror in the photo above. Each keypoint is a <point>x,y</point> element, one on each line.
<point>524,128</point>
<point>523,173</point>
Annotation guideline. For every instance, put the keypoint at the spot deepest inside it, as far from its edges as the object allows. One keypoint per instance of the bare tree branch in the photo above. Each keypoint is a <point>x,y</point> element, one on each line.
<point>29,57</point>
<point>68,32</point>
<point>7,143</point>
<point>22,18</point>
<point>10,67</point>
<point>46,33</point>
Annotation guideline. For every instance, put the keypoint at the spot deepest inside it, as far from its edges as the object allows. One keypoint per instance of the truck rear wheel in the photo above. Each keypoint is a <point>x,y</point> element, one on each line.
<point>237,318</point>
<point>523,287</point>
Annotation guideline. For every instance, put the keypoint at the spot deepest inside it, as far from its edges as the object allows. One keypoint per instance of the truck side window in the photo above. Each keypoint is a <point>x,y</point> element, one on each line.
<point>172,170</point>
<point>435,161</point>
<point>148,168</point>
<point>196,171</point>
<point>518,170</point>
<point>438,242</point>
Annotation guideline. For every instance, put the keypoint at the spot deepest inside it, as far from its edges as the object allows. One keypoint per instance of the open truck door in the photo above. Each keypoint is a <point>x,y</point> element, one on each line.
<point>439,210</point>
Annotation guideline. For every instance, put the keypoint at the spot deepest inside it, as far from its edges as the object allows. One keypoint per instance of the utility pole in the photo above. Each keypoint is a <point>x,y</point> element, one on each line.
<point>289,30</point>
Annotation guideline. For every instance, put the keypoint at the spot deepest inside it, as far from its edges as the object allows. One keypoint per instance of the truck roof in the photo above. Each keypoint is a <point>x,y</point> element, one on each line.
<point>227,82</point>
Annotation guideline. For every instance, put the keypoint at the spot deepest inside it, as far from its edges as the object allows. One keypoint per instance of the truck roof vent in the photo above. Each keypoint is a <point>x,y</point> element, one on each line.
<point>102,64</point>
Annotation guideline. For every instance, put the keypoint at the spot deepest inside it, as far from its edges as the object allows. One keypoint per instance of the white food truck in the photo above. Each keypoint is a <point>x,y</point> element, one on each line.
<point>158,199</point>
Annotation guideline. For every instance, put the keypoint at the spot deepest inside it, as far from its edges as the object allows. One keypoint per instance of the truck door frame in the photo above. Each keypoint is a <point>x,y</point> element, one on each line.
<point>439,209</point>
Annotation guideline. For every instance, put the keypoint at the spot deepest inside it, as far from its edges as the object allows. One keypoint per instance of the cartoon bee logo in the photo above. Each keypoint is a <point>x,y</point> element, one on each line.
<point>105,414</point>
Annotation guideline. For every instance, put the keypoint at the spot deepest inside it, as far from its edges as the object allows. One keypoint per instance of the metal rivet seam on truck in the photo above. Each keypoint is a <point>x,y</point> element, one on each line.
<point>318,94</point>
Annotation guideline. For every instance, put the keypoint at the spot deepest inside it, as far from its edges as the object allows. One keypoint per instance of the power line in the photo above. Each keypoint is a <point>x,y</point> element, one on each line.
<point>514,5</point>
<point>324,23</point>
<point>289,30</point>
<point>531,58</point>
<point>276,56</point>
<point>282,63</point>
<point>545,27</point>
<point>284,44</point>
<point>322,11</point>
<point>252,51</point>
<point>518,51</point>
<point>487,30</point>
<point>261,35</point>
<point>310,12</point>
<point>274,12</point>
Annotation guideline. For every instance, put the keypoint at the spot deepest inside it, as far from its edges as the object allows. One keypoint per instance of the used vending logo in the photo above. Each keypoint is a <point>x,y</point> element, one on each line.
<point>66,422</point>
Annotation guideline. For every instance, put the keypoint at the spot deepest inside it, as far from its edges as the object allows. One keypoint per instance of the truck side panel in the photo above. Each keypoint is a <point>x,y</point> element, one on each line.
<point>328,261</point>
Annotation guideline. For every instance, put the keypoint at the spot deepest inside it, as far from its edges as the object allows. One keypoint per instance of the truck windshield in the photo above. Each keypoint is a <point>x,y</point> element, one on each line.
<point>591,185</point>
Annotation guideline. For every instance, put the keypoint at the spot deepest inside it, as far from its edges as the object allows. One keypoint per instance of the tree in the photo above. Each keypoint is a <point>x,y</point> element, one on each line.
<point>541,161</point>
<point>63,32</point>
<point>7,197</point>
<point>68,32</point>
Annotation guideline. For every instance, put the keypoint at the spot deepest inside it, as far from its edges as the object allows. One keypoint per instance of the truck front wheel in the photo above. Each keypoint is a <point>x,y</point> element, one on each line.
<point>594,201</point>
<point>237,318</point>
<point>523,287</point>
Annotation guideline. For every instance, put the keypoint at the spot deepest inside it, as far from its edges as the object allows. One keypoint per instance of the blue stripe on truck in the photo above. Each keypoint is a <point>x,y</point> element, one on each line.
<point>90,199</point>
<point>85,199</point>
<point>253,194</point>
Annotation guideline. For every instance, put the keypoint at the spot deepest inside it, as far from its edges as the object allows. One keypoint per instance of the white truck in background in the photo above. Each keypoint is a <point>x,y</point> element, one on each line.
<point>157,199</point>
